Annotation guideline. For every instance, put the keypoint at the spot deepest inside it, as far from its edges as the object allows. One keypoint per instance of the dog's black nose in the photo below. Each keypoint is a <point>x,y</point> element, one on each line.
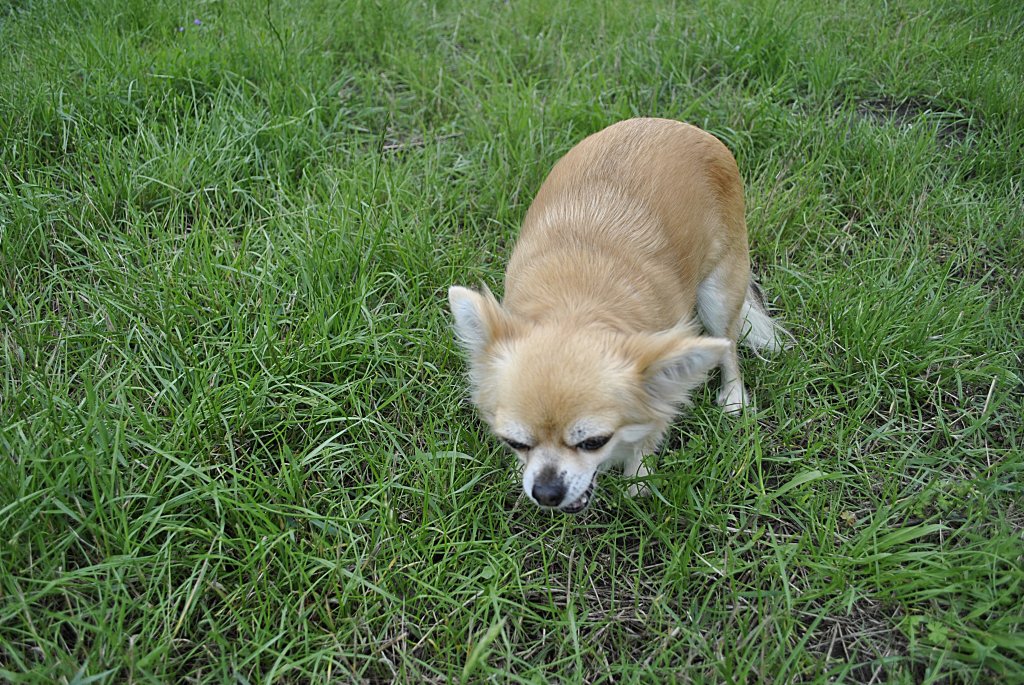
<point>549,493</point>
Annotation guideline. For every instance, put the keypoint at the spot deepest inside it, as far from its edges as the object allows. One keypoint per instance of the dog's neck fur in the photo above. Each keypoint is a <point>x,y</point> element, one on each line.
<point>577,274</point>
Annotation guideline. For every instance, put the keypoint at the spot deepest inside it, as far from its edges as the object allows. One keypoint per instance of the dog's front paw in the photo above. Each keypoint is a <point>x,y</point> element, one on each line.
<point>638,490</point>
<point>733,399</point>
<point>636,469</point>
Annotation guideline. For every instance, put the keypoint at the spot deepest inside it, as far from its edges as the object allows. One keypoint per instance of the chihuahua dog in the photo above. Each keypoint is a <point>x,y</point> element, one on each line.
<point>594,349</point>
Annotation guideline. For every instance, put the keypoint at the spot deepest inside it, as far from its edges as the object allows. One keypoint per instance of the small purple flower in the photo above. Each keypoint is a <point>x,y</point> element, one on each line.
<point>197,22</point>
<point>181,29</point>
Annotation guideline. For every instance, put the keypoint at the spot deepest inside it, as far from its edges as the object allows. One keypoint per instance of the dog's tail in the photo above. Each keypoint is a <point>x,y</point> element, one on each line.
<point>760,331</point>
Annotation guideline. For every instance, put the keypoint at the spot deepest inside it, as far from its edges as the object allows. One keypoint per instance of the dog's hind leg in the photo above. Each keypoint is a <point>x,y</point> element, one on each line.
<point>720,300</point>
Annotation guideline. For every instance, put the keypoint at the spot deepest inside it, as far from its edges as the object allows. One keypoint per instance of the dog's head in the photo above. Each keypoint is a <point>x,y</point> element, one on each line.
<point>570,400</point>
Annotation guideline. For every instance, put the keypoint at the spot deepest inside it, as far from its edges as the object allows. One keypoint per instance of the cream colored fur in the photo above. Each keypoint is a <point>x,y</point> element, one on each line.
<point>636,229</point>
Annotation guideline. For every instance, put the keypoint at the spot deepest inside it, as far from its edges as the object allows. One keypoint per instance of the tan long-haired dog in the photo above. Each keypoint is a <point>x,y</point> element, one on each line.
<point>593,350</point>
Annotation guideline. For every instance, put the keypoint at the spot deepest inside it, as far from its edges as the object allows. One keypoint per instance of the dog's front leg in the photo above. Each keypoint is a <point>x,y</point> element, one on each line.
<point>634,466</point>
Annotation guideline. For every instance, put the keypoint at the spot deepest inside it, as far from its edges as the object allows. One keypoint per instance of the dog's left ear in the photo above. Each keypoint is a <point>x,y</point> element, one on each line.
<point>479,319</point>
<point>672,365</point>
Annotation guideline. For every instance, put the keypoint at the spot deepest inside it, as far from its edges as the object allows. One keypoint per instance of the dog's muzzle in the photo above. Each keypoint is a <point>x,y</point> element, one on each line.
<point>583,501</point>
<point>549,490</point>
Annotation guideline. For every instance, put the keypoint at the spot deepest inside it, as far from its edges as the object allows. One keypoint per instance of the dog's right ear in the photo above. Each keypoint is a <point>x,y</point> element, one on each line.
<point>479,319</point>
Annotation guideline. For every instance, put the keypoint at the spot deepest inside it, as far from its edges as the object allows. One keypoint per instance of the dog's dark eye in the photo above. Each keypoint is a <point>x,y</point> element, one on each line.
<point>593,444</point>
<point>518,446</point>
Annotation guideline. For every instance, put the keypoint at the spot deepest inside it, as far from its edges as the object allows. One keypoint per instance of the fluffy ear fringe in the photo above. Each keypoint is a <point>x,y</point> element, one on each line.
<point>672,364</point>
<point>479,319</point>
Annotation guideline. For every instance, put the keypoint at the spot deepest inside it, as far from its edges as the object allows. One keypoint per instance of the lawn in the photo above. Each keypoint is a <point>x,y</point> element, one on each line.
<point>235,441</point>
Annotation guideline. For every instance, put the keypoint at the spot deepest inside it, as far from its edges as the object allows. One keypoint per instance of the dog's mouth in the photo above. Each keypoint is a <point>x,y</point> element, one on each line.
<point>581,502</point>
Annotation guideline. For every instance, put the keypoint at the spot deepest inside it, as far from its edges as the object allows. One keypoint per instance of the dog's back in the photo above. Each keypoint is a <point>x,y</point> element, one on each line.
<point>627,225</point>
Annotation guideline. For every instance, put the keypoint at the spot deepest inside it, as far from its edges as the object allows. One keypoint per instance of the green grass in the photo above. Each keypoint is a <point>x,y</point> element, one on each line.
<point>234,438</point>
